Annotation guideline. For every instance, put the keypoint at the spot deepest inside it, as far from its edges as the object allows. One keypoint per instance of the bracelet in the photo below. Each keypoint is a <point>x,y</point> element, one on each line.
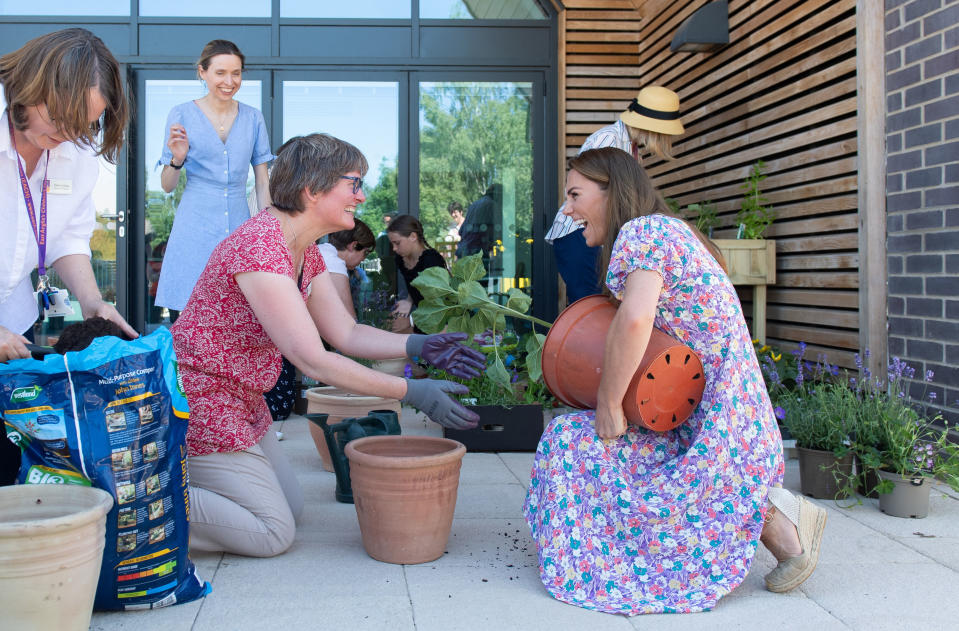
<point>176,166</point>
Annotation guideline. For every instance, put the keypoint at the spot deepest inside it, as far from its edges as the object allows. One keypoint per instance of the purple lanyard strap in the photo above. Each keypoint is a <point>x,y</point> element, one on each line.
<point>39,230</point>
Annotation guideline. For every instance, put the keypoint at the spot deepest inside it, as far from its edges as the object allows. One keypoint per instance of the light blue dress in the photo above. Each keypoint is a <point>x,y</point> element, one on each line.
<point>214,200</point>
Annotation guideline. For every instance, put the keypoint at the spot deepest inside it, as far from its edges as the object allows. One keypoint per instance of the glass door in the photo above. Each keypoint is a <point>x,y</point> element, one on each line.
<point>158,91</point>
<point>477,152</point>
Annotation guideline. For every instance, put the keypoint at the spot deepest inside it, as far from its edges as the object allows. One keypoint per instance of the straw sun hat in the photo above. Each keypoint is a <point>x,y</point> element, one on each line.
<point>654,109</point>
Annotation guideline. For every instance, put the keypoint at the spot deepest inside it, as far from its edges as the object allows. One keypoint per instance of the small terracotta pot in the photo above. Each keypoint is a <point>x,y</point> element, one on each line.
<point>667,386</point>
<point>404,490</point>
<point>340,404</point>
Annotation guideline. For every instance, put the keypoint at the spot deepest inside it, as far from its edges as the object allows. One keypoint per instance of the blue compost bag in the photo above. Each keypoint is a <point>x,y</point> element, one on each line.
<point>113,416</point>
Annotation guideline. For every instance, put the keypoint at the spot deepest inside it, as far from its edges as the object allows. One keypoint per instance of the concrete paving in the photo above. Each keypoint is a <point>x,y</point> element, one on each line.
<point>875,571</point>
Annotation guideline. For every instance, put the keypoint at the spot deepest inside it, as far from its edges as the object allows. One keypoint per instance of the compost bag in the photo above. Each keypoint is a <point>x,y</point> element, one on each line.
<point>112,416</point>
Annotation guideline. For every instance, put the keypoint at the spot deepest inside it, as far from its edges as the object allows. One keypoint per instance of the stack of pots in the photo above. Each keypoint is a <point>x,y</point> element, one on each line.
<point>340,404</point>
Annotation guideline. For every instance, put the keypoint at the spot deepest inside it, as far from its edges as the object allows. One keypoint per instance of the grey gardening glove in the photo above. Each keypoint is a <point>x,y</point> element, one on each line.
<point>446,352</point>
<point>431,397</point>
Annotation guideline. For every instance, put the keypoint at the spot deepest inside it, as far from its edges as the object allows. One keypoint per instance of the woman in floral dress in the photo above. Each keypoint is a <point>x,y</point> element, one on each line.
<point>633,521</point>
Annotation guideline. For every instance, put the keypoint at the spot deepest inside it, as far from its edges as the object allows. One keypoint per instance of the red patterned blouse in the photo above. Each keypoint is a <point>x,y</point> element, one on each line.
<point>226,359</point>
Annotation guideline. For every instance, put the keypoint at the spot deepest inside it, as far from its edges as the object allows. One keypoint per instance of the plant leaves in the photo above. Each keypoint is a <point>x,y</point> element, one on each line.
<point>534,356</point>
<point>518,300</point>
<point>472,295</point>
<point>459,323</point>
<point>431,316</point>
<point>433,282</point>
<point>498,374</point>
<point>469,267</point>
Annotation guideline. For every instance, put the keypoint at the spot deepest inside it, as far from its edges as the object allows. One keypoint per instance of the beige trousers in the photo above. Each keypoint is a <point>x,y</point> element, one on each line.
<point>244,502</point>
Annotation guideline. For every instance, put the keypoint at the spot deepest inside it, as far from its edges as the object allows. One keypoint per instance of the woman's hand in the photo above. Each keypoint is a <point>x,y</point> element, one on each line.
<point>401,316</point>
<point>610,420</point>
<point>12,346</point>
<point>178,143</point>
<point>447,352</point>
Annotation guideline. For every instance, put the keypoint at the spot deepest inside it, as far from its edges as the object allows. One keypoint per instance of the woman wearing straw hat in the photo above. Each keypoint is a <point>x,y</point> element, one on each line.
<point>649,122</point>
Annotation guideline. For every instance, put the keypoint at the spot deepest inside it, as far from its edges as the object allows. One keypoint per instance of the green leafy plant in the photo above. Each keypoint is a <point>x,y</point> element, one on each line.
<point>754,215</point>
<point>456,301</point>
<point>705,216</point>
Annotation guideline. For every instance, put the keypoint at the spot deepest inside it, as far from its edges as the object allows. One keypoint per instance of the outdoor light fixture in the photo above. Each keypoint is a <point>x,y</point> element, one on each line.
<point>706,29</point>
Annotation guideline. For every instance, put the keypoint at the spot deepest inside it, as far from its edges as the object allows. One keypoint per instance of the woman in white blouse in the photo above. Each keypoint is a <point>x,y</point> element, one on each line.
<point>65,104</point>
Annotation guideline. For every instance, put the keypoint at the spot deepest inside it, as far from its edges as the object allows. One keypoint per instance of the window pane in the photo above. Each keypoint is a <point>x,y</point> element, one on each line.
<point>160,95</point>
<point>363,113</point>
<point>207,8</point>
<point>370,9</point>
<point>65,7</point>
<point>476,149</point>
<point>481,10</point>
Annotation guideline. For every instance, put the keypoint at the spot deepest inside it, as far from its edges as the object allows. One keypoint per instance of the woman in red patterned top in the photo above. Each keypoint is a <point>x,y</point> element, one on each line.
<point>264,293</point>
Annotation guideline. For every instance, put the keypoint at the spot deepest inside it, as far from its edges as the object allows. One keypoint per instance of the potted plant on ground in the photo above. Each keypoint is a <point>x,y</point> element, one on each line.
<point>903,446</point>
<point>509,395</point>
<point>820,413</point>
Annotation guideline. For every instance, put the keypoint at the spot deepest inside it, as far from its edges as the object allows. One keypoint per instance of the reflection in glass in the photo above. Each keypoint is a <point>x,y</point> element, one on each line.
<point>160,95</point>
<point>476,149</point>
<point>207,8</point>
<point>367,9</point>
<point>65,7</point>
<point>363,113</point>
<point>481,10</point>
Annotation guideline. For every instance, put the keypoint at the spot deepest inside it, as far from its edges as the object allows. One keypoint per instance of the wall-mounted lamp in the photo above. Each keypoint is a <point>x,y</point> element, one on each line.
<point>706,29</point>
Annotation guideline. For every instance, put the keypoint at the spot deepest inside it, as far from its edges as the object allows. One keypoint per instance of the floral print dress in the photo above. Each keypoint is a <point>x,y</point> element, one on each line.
<point>662,522</point>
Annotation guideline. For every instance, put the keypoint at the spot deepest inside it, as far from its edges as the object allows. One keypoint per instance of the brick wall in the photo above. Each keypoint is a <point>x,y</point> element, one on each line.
<point>922,191</point>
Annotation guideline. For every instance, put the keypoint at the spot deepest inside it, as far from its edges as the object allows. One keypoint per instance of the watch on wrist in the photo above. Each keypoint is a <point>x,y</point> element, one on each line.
<point>176,166</point>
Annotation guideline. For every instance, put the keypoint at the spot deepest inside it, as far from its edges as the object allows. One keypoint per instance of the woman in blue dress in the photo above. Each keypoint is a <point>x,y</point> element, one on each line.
<point>215,139</point>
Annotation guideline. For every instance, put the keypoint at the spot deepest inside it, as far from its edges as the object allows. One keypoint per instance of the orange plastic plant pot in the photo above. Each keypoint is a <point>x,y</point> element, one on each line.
<point>667,386</point>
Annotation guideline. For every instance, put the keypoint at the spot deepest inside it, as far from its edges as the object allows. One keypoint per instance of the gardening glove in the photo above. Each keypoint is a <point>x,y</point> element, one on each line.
<point>445,351</point>
<point>431,396</point>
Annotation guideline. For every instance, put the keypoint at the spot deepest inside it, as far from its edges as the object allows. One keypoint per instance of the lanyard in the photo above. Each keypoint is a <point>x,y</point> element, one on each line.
<point>39,230</point>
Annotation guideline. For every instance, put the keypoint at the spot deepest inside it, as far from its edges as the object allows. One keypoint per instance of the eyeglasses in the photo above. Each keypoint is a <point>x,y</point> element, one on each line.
<point>357,182</point>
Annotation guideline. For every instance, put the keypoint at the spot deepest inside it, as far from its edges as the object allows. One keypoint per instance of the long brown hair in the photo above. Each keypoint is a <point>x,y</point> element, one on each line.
<point>57,70</point>
<point>629,194</point>
<point>405,225</point>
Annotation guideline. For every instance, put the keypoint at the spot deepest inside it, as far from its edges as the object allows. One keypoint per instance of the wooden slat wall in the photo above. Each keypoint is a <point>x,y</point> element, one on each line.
<point>783,91</point>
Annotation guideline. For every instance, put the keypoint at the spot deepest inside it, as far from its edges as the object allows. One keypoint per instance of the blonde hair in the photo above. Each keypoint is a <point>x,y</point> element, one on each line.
<point>657,143</point>
<point>629,194</point>
<point>58,70</point>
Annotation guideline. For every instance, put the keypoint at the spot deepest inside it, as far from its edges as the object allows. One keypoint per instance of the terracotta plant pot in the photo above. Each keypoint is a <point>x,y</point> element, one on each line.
<point>667,386</point>
<point>340,404</point>
<point>818,471</point>
<point>51,546</point>
<point>404,490</point>
<point>909,497</point>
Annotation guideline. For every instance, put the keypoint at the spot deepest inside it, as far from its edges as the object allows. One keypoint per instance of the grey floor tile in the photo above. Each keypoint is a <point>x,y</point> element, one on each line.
<point>485,468</point>
<point>490,500</point>
<point>490,543</point>
<point>521,464</point>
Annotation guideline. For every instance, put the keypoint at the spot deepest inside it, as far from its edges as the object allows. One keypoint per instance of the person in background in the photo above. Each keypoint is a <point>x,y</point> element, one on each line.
<point>342,254</point>
<point>478,227</point>
<point>648,124</point>
<point>413,255</point>
<point>65,105</point>
<point>455,209</point>
<point>265,293</point>
<point>633,521</point>
<point>214,139</point>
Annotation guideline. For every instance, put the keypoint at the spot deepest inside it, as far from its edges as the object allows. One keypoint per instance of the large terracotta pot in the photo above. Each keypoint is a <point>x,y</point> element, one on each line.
<point>340,404</point>
<point>51,545</point>
<point>404,490</point>
<point>667,386</point>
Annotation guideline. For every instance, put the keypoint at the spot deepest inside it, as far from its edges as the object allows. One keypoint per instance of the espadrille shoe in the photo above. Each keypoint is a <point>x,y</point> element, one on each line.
<point>791,572</point>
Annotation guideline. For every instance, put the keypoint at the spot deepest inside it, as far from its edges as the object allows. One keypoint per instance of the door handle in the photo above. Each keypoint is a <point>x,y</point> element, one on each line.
<point>121,215</point>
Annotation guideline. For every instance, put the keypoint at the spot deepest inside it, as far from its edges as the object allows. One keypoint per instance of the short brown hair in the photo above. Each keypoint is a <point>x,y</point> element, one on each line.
<point>219,47</point>
<point>313,162</point>
<point>360,233</point>
<point>57,70</point>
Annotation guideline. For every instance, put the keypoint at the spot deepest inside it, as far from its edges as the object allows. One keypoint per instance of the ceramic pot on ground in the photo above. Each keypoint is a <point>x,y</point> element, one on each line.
<point>665,390</point>
<point>340,404</point>
<point>404,490</point>
<point>909,497</point>
<point>51,546</point>
<point>818,471</point>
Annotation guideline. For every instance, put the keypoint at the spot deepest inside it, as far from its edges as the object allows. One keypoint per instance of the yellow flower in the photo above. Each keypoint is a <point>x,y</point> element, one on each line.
<point>775,357</point>
<point>756,341</point>
<point>764,348</point>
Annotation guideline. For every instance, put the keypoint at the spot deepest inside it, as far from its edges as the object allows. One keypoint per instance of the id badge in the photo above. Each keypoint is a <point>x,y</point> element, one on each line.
<point>53,302</point>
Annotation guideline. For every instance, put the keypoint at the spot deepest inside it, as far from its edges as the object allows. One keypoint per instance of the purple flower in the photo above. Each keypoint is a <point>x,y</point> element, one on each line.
<point>932,396</point>
<point>779,412</point>
<point>408,371</point>
<point>929,375</point>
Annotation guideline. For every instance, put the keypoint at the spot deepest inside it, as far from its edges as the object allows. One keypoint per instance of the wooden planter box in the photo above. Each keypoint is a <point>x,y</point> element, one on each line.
<point>516,428</point>
<point>752,262</point>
